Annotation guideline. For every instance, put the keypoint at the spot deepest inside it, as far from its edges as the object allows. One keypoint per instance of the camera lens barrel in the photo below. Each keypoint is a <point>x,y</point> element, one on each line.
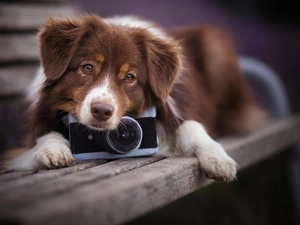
<point>126,138</point>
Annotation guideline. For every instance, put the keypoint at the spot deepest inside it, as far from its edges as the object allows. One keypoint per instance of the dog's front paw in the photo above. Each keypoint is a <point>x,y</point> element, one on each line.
<point>53,156</point>
<point>192,139</point>
<point>51,151</point>
<point>216,164</point>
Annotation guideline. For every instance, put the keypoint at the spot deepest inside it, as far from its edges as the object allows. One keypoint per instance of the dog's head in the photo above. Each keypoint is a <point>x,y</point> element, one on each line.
<point>100,71</point>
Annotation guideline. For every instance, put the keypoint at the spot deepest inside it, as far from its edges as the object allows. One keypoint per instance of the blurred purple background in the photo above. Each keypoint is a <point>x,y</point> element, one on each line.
<point>267,30</point>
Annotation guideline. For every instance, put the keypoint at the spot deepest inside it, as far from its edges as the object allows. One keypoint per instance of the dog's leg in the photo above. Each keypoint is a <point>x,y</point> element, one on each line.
<point>192,139</point>
<point>51,151</point>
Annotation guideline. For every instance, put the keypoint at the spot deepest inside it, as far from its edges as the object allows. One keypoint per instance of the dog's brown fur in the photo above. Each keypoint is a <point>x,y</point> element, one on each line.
<point>217,94</point>
<point>211,88</point>
<point>191,75</point>
<point>64,45</point>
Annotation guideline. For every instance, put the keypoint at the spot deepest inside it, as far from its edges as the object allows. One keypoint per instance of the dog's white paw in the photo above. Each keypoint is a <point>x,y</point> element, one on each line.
<point>53,156</point>
<point>215,163</point>
<point>192,139</point>
<point>51,151</point>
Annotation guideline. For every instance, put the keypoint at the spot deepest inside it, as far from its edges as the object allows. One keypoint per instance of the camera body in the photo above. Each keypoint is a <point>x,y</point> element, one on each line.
<point>135,136</point>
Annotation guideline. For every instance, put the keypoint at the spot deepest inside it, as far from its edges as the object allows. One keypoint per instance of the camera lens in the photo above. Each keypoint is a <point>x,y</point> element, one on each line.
<point>127,137</point>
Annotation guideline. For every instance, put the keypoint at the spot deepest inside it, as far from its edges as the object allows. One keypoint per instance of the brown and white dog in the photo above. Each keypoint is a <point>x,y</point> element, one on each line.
<point>102,69</point>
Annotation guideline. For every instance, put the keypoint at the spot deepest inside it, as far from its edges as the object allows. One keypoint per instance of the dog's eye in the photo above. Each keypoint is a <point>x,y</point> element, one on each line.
<point>87,68</point>
<point>129,77</point>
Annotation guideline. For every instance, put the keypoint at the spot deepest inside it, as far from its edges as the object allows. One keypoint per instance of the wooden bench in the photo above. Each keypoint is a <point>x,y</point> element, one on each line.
<point>114,192</point>
<point>19,22</point>
<point>100,191</point>
<point>19,51</point>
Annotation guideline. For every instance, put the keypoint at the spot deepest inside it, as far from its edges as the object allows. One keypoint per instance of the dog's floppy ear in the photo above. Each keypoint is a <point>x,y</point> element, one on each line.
<point>58,39</point>
<point>164,66</point>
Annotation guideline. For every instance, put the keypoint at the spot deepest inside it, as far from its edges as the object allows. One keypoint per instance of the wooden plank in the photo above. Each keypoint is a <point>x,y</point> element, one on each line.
<point>270,140</point>
<point>116,199</point>
<point>13,176</point>
<point>120,198</point>
<point>15,79</point>
<point>29,190</point>
<point>22,16</point>
<point>7,181</point>
<point>18,47</point>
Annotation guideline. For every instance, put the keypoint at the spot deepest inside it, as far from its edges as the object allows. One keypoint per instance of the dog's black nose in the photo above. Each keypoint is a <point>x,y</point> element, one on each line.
<point>101,111</point>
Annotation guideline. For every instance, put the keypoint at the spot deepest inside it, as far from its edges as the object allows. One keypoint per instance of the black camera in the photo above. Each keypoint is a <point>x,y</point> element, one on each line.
<point>135,136</point>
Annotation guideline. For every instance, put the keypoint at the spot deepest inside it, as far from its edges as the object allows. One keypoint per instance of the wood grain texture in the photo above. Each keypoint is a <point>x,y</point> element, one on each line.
<point>7,181</point>
<point>118,198</point>
<point>273,138</point>
<point>29,190</point>
<point>18,47</point>
<point>121,190</point>
<point>15,79</point>
<point>22,16</point>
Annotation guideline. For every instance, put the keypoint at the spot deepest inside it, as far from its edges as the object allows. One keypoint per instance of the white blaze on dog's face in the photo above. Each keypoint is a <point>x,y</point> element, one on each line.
<point>100,70</point>
<point>100,100</point>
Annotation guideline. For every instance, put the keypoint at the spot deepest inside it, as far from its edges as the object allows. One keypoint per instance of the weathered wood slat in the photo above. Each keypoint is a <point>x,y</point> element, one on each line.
<point>270,140</point>
<point>120,198</point>
<point>18,47</point>
<point>15,79</point>
<point>7,181</point>
<point>23,192</point>
<point>13,176</point>
<point>117,199</point>
<point>22,16</point>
